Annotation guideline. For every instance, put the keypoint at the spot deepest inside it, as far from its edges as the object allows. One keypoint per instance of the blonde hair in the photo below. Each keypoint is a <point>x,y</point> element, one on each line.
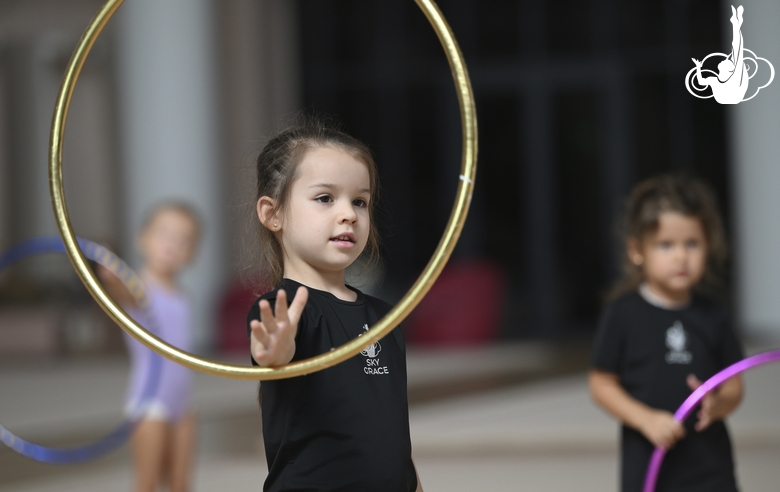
<point>173,206</point>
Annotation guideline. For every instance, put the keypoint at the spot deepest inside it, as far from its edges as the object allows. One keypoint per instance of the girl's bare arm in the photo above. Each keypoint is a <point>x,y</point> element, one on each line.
<point>658,426</point>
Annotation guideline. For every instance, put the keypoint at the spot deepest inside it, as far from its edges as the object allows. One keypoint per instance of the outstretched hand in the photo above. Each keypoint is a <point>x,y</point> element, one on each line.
<point>697,62</point>
<point>273,337</point>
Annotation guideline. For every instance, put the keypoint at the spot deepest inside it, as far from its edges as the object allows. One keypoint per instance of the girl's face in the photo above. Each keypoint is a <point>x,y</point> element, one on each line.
<point>673,258</point>
<point>325,224</point>
<point>168,242</point>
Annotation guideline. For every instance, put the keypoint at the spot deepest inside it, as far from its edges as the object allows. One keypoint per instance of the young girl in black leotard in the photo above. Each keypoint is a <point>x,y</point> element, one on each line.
<point>660,339</point>
<point>347,427</point>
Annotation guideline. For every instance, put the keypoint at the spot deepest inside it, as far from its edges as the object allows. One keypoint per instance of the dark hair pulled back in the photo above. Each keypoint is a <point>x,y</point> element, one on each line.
<point>277,169</point>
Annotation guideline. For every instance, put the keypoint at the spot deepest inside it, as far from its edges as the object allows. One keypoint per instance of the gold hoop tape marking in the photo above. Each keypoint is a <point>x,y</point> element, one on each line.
<point>413,297</point>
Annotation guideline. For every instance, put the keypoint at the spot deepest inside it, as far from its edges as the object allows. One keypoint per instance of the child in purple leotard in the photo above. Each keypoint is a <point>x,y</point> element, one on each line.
<point>170,398</point>
<point>164,438</point>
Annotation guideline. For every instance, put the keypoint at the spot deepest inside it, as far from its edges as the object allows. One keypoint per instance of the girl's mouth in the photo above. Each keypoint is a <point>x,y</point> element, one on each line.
<point>343,238</point>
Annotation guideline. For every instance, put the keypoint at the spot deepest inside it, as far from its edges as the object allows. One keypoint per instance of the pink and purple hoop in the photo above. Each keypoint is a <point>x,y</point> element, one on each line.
<point>690,403</point>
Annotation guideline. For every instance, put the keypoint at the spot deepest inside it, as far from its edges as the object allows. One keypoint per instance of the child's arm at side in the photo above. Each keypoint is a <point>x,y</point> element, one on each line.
<point>658,426</point>
<point>718,404</point>
<point>273,337</point>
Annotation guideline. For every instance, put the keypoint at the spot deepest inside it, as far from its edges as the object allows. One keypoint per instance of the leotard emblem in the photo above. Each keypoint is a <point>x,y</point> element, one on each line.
<point>677,342</point>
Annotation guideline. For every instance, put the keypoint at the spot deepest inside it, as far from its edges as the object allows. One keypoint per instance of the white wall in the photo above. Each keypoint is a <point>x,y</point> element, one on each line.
<point>755,133</point>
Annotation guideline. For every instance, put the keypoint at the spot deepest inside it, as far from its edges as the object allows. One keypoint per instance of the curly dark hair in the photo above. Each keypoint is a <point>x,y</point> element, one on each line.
<point>672,193</point>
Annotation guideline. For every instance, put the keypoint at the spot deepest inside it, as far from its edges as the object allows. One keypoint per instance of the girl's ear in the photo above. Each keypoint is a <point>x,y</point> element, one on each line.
<point>267,213</point>
<point>634,250</point>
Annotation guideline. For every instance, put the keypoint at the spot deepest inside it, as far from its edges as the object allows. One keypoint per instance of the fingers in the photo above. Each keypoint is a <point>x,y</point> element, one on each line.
<point>676,437</point>
<point>705,414</point>
<point>272,321</point>
<point>679,432</point>
<point>298,303</point>
<point>672,435</point>
<point>284,313</point>
<point>281,305</point>
<point>663,430</point>
<point>693,381</point>
<point>274,334</point>
<point>259,331</point>
<point>260,343</point>
<point>703,423</point>
<point>267,317</point>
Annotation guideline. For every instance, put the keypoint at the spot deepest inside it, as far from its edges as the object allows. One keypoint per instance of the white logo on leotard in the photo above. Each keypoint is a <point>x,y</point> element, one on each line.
<point>372,358</point>
<point>372,350</point>
<point>677,342</point>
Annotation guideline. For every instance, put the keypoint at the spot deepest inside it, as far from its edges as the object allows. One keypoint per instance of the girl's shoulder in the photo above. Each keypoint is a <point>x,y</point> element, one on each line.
<point>710,310</point>
<point>290,288</point>
<point>378,305</point>
<point>320,299</point>
<point>628,302</point>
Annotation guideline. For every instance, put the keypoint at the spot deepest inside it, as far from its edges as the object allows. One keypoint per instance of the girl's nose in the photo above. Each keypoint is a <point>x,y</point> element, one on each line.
<point>682,253</point>
<point>347,214</point>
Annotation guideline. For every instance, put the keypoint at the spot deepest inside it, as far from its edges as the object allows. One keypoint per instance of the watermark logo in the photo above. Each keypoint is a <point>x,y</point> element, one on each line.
<point>729,85</point>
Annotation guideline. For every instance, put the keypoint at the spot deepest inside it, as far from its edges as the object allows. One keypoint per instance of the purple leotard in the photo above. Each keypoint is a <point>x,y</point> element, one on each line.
<point>171,399</point>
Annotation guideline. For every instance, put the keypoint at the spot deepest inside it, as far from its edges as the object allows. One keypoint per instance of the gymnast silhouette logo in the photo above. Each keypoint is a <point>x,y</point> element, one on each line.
<point>372,350</point>
<point>735,71</point>
<point>677,342</point>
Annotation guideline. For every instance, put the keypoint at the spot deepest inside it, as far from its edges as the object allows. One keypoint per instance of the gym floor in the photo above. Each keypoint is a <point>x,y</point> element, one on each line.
<point>510,417</point>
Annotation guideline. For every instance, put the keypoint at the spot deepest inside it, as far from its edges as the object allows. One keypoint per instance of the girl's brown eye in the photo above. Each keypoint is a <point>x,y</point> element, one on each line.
<point>324,199</point>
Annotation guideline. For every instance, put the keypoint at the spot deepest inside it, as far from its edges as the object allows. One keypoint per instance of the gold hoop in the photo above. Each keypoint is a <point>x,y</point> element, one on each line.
<point>322,361</point>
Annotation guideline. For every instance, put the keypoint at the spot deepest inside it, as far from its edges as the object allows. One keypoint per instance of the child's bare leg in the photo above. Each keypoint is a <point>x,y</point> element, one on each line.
<point>148,443</point>
<point>182,451</point>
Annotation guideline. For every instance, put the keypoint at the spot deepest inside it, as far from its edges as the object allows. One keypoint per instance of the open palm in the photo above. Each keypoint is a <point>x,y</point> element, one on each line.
<point>273,337</point>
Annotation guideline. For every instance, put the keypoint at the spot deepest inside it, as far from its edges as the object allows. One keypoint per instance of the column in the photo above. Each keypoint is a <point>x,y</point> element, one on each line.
<point>169,128</point>
<point>755,126</point>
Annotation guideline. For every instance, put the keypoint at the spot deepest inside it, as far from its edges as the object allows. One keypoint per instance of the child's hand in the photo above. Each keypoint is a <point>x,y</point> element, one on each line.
<point>273,338</point>
<point>661,429</point>
<point>712,407</point>
<point>115,287</point>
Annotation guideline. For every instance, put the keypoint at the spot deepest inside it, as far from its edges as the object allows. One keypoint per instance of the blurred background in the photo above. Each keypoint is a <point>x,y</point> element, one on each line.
<point>577,101</point>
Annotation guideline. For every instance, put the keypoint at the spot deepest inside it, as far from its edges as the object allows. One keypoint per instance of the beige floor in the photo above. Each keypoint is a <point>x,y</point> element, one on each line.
<point>535,436</point>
